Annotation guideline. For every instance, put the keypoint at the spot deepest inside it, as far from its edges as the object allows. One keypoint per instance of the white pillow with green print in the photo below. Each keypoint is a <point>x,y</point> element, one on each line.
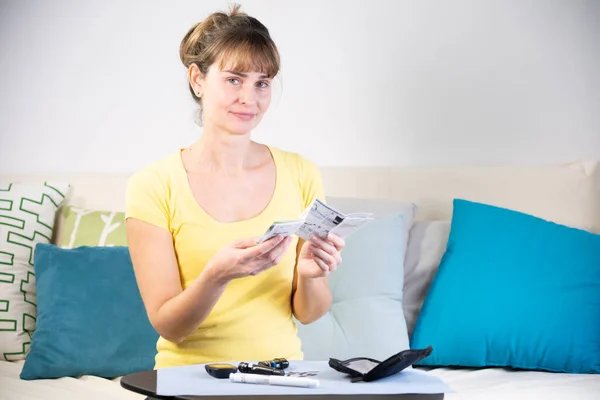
<point>27,215</point>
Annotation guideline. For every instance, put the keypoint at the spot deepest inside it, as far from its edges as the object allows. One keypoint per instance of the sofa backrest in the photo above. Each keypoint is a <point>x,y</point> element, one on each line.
<point>568,194</point>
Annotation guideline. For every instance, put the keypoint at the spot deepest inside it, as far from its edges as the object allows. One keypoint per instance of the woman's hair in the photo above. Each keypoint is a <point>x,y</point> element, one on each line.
<point>235,40</point>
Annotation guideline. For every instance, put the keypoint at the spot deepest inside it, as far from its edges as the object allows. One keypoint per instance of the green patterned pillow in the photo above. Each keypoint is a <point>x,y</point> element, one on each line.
<point>27,215</point>
<point>84,227</point>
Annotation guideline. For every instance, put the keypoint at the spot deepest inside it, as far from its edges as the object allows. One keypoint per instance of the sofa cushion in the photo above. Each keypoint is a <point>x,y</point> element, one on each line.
<point>513,290</point>
<point>426,246</point>
<point>91,319</point>
<point>91,227</point>
<point>27,215</point>
<point>366,318</point>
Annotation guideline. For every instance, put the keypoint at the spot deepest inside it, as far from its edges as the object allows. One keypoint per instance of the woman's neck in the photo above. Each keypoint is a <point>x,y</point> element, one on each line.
<point>221,152</point>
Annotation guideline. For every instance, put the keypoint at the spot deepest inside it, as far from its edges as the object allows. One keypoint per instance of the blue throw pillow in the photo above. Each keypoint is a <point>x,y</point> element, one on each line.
<point>513,290</point>
<point>90,315</point>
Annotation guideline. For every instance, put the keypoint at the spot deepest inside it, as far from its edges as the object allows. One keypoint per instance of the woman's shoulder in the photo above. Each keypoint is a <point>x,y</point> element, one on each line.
<point>295,162</point>
<point>148,193</point>
<point>303,172</point>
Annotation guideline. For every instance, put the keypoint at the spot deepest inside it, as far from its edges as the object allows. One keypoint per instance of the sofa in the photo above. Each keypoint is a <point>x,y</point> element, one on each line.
<point>434,268</point>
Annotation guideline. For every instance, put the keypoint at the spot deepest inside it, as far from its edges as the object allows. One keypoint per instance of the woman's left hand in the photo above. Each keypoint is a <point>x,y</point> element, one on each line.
<point>319,257</point>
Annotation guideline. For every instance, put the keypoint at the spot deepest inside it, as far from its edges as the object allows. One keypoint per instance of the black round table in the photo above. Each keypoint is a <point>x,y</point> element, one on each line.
<point>145,383</point>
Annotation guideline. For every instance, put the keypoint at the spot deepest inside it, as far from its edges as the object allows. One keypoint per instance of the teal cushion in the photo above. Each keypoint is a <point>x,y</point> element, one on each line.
<point>90,315</point>
<point>366,318</point>
<point>513,290</point>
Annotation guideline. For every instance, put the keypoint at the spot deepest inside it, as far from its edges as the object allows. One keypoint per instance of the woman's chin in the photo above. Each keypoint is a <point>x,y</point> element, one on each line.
<point>241,128</point>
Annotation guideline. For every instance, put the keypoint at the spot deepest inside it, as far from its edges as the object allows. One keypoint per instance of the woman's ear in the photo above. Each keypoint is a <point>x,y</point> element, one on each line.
<point>195,78</point>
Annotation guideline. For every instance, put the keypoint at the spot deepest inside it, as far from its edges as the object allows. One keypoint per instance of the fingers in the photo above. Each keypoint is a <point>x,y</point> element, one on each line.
<point>326,262</point>
<point>257,250</point>
<point>270,258</point>
<point>326,269</point>
<point>330,248</point>
<point>327,253</point>
<point>244,243</point>
<point>326,246</point>
<point>329,260</point>
<point>338,242</point>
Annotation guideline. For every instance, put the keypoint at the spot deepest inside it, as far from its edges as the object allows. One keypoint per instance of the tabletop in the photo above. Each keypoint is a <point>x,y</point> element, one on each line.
<point>145,383</point>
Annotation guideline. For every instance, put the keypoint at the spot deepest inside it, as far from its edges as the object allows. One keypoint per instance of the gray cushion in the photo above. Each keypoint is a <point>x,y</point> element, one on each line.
<point>366,318</point>
<point>426,246</point>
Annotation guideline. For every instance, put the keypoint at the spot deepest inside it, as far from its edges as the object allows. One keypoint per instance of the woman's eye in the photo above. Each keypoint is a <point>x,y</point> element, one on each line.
<point>235,81</point>
<point>262,85</point>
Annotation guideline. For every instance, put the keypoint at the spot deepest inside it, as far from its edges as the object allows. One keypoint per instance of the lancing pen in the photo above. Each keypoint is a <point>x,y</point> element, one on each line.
<point>273,380</point>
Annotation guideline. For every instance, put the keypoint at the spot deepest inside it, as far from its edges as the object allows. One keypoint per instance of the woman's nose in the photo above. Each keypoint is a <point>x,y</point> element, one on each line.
<point>247,95</point>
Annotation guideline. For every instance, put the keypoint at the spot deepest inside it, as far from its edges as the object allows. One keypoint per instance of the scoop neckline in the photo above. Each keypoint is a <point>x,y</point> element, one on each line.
<point>201,212</point>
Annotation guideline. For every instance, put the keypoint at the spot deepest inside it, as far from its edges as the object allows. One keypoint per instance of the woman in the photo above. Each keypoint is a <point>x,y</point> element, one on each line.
<point>194,217</point>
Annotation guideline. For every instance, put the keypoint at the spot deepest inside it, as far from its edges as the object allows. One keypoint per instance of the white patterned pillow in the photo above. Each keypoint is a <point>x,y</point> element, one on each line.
<point>27,215</point>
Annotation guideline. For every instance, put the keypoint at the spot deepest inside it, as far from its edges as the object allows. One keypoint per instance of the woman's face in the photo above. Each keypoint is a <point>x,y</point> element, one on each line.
<point>234,101</point>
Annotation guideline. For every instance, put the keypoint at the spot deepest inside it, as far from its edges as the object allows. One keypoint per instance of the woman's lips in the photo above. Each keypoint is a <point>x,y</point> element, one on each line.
<point>244,116</point>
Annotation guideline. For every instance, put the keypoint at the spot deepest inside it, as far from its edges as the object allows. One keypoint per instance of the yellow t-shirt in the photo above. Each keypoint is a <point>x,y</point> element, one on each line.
<point>253,318</point>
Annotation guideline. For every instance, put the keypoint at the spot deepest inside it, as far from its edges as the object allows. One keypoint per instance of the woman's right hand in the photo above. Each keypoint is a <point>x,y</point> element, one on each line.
<point>245,258</point>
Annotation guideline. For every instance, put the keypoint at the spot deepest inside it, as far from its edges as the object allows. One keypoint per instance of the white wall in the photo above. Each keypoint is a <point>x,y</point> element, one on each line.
<point>363,83</point>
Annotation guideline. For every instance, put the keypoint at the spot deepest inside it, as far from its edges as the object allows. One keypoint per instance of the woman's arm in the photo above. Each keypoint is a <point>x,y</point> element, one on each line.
<point>175,313</point>
<point>311,297</point>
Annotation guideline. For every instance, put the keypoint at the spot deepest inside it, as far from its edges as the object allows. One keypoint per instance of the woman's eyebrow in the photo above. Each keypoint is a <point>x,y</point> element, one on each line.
<point>244,75</point>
